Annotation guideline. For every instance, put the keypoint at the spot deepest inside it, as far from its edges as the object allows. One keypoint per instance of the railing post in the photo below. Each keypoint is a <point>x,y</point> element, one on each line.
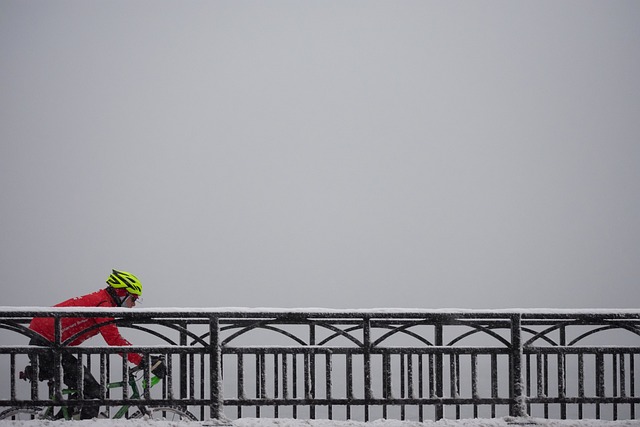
<point>215,356</point>
<point>439,409</point>
<point>183,362</point>
<point>562,373</point>
<point>57,353</point>
<point>366,332</point>
<point>518,399</point>
<point>312,370</point>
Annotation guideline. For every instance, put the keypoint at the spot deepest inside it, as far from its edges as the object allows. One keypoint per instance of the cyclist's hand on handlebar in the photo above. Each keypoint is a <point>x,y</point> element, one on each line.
<point>156,367</point>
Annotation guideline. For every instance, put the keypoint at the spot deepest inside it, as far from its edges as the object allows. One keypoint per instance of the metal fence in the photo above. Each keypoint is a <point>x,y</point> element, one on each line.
<point>361,365</point>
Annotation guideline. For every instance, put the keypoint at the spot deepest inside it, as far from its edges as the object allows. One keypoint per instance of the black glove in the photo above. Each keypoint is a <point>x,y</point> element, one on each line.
<point>158,368</point>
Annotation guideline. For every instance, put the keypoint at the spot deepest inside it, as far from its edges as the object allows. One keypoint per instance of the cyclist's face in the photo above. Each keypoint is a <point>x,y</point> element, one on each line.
<point>130,301</point>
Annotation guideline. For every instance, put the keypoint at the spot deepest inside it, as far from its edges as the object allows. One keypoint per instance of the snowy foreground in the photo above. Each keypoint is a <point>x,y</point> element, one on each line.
<point>269,422</point>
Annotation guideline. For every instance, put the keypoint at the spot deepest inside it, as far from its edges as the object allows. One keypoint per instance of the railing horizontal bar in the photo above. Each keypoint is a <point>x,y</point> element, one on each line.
<point>440,350</point>
<point>581,350</point>
<point>104,350</point>
<point>112,402</point>
<point>359,350</point>
<point>17,312</point>
<point>582,400</point>
<point>582,320</point>
<point>360,402</point>
<point>325,349</point>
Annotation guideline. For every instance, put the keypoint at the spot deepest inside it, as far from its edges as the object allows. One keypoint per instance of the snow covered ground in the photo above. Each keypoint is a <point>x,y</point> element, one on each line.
<point>270,422</point>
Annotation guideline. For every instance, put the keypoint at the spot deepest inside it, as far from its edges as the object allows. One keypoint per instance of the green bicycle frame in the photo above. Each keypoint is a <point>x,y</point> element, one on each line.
<point>135,394</point>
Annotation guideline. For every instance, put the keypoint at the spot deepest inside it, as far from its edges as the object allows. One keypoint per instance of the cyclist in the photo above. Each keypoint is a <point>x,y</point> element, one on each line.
<point>123,291</point>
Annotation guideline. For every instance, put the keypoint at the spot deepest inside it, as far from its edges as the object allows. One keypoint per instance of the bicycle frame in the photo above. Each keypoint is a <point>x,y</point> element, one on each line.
<point>136,392</point>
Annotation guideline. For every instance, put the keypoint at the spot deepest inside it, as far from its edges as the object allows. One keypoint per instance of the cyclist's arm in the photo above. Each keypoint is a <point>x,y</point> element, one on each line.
<point>111,335</point>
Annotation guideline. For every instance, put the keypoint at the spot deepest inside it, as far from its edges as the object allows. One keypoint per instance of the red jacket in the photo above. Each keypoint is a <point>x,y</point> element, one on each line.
<point>73,325</point>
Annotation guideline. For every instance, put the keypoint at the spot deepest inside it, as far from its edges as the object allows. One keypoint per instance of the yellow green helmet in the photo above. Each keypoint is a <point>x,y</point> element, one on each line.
<point>124,280</point>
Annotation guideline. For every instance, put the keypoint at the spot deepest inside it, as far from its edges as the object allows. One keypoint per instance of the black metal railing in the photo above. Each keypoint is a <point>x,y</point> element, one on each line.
<point>357,364</point>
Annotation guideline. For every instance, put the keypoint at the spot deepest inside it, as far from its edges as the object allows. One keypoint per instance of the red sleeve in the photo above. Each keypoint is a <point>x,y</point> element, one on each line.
<point>109,332</point>
<point>112,336</point>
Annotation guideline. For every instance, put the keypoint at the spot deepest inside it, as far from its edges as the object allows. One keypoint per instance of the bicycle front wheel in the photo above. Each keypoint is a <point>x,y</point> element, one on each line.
<point>22,414</point>
<point>169,413</point>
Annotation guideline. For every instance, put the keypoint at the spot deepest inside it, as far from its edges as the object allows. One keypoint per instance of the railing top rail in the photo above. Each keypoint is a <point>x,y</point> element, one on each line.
<point>318,313</point>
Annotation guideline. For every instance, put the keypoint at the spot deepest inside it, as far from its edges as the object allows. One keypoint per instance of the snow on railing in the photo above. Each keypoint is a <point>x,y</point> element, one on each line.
<point>342,364</point>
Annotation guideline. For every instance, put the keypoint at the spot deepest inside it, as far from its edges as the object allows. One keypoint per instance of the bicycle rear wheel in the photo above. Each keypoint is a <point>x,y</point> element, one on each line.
<point>169,413</point>
<point>22,414</point>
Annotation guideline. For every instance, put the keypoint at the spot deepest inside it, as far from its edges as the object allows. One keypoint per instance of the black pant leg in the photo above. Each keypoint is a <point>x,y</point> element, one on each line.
<point>46,366</point>
<point>46,361</point>
<point>91,386</point>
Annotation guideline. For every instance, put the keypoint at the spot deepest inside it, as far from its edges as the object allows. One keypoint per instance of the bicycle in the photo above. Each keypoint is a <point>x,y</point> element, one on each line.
<point>137,385</point>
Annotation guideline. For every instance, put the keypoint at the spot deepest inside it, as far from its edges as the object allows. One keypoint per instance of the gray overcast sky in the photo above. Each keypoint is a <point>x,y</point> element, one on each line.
<point>342,154</point>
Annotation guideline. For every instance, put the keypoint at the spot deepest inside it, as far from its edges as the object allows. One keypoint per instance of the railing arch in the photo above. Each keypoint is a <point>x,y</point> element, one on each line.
<point>357,364</point>
<point>611,326</point>
<point>340,333</point>
<point>260,326</point>
<point>475,329</point>
<point>396,330</point>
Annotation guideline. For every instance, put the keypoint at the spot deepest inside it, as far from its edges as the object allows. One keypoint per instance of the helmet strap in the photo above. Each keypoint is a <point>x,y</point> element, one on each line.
<point>114,296</point>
